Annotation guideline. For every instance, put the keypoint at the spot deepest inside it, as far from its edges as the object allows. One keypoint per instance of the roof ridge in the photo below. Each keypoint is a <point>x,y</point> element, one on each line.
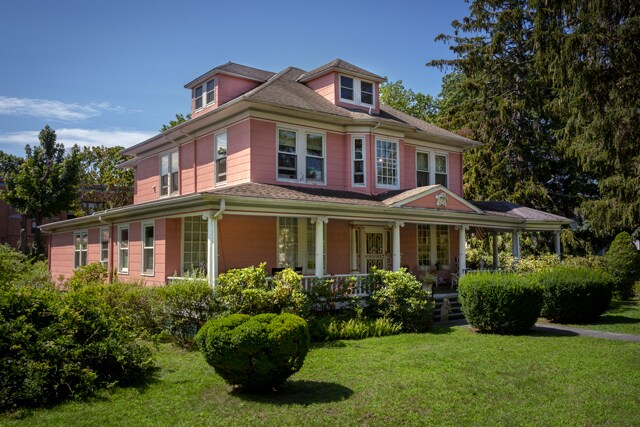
<point>269,82</point>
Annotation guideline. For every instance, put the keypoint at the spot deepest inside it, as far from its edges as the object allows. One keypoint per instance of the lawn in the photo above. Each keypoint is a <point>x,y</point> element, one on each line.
<point>622,317</point>
<point>451,376</point>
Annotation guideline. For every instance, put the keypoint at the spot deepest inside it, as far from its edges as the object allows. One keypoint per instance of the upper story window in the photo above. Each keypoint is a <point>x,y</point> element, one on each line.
<point>358,154</point>
<point>204,94</point>
<point>387,164</point>
<point>431,168</point>
<point>301,156</point>
<point>169,174</point>
<point>81,246</point>
<point>221,157</point>
<point>356,91</point>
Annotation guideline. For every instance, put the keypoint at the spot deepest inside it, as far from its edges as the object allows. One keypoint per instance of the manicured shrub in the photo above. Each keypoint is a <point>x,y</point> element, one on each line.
<point>258,353</point>
<point>623,263</point>
<point>246,291</point>
<point>136,302</point>
<point>533,263</point>
<point>57,346</point>
<point>575,294</point>
<point>183,306</point>
<point>505,303</point>
<point>399,297</point>
<point>88,275</point>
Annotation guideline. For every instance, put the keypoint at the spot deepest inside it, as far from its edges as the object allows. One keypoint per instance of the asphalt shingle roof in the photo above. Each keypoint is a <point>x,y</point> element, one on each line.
<point>237,69</point>
<point>338,64</point>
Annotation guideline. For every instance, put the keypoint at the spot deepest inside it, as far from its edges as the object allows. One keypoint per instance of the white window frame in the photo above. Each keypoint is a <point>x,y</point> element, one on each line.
<point>363,160</point>
<point>204,95</point>
<point>446,158</point>
<point>378,163</point>
<point>357,91</point>
<point>432,165</point>
<point>191,243</point>
<point>80,233</point>
<point>432,247</point>
<point>122,269</point>
<point>143,247</point>
<point>170,180</point>
<point>301,155</point>
<point>217,159</point>
<point>429,168</point>
<point>105,261</point>
<point>302,244</point>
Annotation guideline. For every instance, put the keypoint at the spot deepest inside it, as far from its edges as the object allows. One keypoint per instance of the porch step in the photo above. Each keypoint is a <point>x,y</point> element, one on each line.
<point>456,309</point>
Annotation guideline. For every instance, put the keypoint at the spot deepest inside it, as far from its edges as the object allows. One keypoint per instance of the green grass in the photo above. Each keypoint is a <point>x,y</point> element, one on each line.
<point>451,376</point>
<point>623,317</point>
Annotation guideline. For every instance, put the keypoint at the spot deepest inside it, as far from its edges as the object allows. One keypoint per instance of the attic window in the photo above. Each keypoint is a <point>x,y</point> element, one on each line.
<point>204,94</point>
<point>356,91</point>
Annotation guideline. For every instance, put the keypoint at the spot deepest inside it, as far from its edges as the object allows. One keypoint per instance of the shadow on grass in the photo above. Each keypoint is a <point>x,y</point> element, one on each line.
<point>606,319</point>
<point>299,393</point>
<point>546,331</point>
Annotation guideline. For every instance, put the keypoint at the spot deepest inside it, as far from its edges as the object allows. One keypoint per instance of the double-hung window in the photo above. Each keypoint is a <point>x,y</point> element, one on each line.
<point>169,184</point>
<point>221,157</point>
<point>104,247</point>
<point>204,94</point>
<point>387,174</point>
<point>301,156</point>
<point>422,169</point>
<point>356,91</point>
<point>358,153</point>
<point>433,245</point>
<point>297,244</point>
<point>80,249</point>
<point>123,249</point>
<point>441,170</point>
<point>148,239</point>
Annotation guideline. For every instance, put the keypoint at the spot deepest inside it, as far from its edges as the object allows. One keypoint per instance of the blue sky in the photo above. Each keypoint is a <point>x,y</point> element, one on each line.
<point>112,72</point>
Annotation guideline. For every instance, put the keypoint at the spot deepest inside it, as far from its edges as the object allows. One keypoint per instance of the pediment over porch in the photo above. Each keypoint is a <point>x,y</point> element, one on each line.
<point>431,197</point>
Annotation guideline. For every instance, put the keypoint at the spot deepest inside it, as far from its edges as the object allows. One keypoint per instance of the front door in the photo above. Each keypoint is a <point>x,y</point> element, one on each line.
<point>374,244</point>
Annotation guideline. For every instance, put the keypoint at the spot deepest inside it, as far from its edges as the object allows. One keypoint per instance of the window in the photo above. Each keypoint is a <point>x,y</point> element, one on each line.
<point>356,91</point>
<point>441,170</point>
<point>80,249</point>
<point>169,174</point>
<point>387,164</point>
<point>204,94</point>
<point>359,158</point>
<point>33,226</point>
<point>433,245</point>
<point>148,239</point>
<point>221,157</point>
<point>123,249</point>
<point>194,244</point>
<point>297,244</point>
<point>299,150</point>
<point>104,247</point>
<point>422,169</point>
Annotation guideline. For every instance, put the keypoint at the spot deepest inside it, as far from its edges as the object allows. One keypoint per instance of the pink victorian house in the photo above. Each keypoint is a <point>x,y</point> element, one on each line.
<point>302,169</point>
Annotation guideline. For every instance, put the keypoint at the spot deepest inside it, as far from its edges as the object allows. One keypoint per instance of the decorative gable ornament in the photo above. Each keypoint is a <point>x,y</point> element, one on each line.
<point>441,200</point>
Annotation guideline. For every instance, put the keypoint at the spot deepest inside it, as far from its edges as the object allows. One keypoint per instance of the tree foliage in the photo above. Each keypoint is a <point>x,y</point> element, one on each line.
<point>420,105</point>
<point>45,182</point>
<point>179,120</point>
<point>102,182</point>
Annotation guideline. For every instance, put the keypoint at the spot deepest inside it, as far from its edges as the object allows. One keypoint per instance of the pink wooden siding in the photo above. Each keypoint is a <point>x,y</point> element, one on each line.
<point>135,248</point>
<point>455,173</point>
<point>337,170</point>
<point>408,166</point>
<point>263,151</point>
<point>239,152</point>
<point>159,252</point>
<point>147,177</point>
<point>246,241</point>
<point>229,87</point>
<point>453,248</point>
<point>93,254</point>
<point>61,255</point>
<point>338,247</point>
<point>187,168</point>
<point>429,202</point>
<point>204,163</point>
<point>409,248</point>
<point>325,86</point>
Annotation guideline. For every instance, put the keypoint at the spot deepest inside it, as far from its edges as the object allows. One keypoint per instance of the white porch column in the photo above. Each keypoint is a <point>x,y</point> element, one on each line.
<point>212,249</point>
<point>354,251</point>
<point>516,245</point>
<point>396,245</point>
<point>320,221</point>
<point>558,250</point>
<point>496,261</point>
<point>462,250</point>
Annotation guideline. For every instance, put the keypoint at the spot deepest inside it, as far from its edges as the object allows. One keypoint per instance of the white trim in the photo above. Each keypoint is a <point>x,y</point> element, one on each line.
<point>428,171</point>
<point>120,228</point>
<point>432,247</point>
<point>363,160</point>
<point>434,189</point>
<point>143,225</point>
<point>205,98</point>
<point>432,172</point>
<point>375,156</point>
<point>215,157</point>
<point>169,154</point>
<point>86,251</point>
<point>357,91</point>
<point>301,155</point>
<point>103,261</point>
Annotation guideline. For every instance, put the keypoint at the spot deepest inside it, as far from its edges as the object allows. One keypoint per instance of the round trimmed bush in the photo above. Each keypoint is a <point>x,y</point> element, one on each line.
<point>258,353</point>
<point>575,294</point>
<point>506,303</point>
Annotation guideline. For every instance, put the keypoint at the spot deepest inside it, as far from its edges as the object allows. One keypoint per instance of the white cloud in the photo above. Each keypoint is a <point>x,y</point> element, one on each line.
<point>51,109</point>
<point>82,137</point>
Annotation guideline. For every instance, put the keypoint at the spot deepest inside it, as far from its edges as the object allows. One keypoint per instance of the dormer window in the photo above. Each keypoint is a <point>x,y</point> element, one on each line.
<point>356,91</point>
<point>205,94</point>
